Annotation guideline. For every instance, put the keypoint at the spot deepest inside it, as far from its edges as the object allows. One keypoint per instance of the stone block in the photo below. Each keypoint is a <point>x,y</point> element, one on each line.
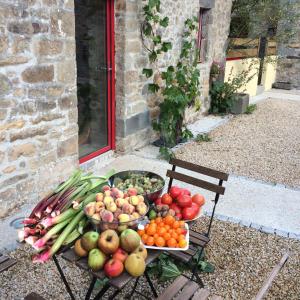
<point>47,117</point>
<point>3,114</point>
<point>21,150</point>
<point>66,71</point>
<point>67,102</point>
<point>5,85</point>
<point>27,27</point>
<point>14,179</point>
<point>48,47</point>
<point>28,133</point>
<point>38,74</point>
<point>3,43</point>
<point>63,23</point>
<point>45,105</point>
<point>7,193</point>
<point>133,124</point>
<point>17,124</point>
<point>9,169</point>
<point>2,156</point>
<point>20,44</point>
<point>68,147</point>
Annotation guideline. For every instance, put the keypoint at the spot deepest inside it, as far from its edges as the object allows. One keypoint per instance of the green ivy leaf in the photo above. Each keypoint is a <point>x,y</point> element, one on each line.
<point>206,267</point>
<point>147,29</point>
<point>153,3</point>
<point>171,69</point>
<point>153,88</point>
<point>164,22</point>
<point>166,46</point>
<point>148,72</point>
<point>153,56</point>
<point>156,39</point>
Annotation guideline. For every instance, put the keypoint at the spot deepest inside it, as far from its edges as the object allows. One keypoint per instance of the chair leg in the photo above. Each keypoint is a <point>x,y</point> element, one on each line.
<point>151,284</point>
<point>195,269</point>
<point>61,273</point>
<point>102,292</point>
<point>91,287</point>
<point>133,289</point>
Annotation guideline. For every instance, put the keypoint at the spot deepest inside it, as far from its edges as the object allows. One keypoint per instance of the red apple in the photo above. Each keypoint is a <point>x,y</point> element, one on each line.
<point>120,255</point>
<point>198,199</point>
<point>185,192</point>
<point>166,199</point>
<point>108,241</point>
<point>113,268</point>
<point>158,201</point>
<point>175,191</point>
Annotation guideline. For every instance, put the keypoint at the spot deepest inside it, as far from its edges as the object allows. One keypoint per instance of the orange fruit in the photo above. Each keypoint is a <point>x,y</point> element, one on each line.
<point>141,232</point>
<point>152,221</point>
<point>144,238</point>
<point>179,231</point>
<point>172,243</point>
<point>182,243</point>
<point>161,231</point>
<point>156,235</point>
<point>150,241</point>
<point>174,235</point>
<point>160,242</point>
<point>176,224</point>
<point>181,237</point>
<point>169,220</point>
<point>181,223</point>
<point>151,229</point>
<point>158,220</point>
<point>167,227</point>
<point>161,224</point>
<point>167,236</point>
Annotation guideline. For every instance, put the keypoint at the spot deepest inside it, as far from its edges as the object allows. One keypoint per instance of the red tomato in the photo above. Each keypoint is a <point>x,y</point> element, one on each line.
<point>166,199</point>
<point>175,191</point>
<point>175,207</point>
<point>184,200</point>
<point>189,213</point>
<point>158,201</point>
<point>198,199</point>
<point>179,216</point>
<point>185,192</point>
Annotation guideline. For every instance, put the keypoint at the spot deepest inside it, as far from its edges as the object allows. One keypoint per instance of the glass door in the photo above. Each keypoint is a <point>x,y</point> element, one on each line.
<point>94,57</point>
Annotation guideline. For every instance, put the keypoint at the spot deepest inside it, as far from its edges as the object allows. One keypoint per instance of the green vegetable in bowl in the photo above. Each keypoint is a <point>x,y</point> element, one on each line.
<point>142,183</point>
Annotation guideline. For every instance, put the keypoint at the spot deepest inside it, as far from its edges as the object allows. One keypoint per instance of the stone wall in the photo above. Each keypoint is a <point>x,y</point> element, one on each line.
<point>38,97</point>
<point>134,106</point>
<point>288,68</point>
<point>38,107</point>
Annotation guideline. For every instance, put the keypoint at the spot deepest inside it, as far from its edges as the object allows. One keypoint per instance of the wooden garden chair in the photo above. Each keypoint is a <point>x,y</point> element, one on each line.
<point>198,241</point>
<point>6,262</point>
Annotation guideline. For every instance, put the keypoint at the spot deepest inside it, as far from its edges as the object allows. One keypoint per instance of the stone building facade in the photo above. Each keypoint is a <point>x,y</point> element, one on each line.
<point>38,87</point>
<point>288,68</point>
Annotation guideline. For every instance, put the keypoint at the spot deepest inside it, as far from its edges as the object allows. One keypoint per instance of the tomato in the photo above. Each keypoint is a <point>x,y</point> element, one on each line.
<point>178,216</point>
<point>166,199</point>
<point>175,191</point>
<point>198,199</point>
<point>175,207</point>
<point>185,192</point>
<point>184,200</point>
<point>158,201</point>
<point>189,213</point>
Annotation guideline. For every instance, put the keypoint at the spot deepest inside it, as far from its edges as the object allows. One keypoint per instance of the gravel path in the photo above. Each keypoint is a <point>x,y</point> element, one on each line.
<point>264,145</point>
<point>243,257</point>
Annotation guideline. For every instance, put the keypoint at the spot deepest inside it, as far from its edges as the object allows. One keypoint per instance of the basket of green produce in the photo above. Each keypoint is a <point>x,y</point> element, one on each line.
<point>148,184</point>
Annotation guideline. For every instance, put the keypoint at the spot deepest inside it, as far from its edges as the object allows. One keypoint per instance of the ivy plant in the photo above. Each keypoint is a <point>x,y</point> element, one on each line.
<point>177,85</point>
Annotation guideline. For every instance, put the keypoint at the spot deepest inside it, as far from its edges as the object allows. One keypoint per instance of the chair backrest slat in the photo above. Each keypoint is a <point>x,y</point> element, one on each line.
<point>197,182</point>
<point>199,169</point>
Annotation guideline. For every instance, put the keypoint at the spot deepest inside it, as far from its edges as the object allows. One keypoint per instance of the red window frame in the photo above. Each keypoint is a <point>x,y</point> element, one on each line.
<point>110,42</point>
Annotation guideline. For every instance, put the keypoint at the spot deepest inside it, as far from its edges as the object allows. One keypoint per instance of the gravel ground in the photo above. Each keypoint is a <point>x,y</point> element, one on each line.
<point>264,145</point>
<point>243,258</point>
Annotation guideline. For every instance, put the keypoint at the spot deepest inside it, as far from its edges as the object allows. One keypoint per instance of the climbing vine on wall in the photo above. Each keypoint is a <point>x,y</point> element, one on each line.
<point>178,85</point>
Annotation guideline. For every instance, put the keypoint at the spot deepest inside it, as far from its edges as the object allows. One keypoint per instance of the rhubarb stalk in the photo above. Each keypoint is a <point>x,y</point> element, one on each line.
<point>43,257</point>
<point>49,221</point>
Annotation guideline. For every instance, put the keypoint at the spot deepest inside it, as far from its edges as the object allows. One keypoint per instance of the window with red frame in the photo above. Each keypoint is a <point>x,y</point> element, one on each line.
<point>204,15</point>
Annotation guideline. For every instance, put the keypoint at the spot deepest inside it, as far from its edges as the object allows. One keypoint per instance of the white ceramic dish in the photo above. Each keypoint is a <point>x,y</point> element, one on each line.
<point>187,237</point>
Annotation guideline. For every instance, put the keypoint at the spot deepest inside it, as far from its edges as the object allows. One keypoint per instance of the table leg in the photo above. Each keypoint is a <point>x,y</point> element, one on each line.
<point>102,292</point>
<point>91,287</point>
<point>133,289</point>
<point>63,277</point>
<point>151,284</point>
<point>116,293</point>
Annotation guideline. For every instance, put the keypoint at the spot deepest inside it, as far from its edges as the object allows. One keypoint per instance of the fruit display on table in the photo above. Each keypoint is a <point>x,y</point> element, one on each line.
<point>112,252</point>
<point>165,233</point>
<point>146,183</point>
<point>114,209</point>
<point>178,203</point>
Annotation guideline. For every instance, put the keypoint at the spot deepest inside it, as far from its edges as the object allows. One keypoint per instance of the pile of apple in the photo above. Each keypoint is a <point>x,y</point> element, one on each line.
<point>114,206</point>
<point>113,253</point>
<point>178,203</point>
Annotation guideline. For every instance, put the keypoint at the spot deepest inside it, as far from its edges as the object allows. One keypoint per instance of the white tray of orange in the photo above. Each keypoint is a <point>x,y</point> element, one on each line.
<point>165,234</point>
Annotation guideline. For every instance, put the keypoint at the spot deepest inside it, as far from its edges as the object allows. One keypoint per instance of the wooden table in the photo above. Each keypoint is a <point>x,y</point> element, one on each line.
<point>117,283</point>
